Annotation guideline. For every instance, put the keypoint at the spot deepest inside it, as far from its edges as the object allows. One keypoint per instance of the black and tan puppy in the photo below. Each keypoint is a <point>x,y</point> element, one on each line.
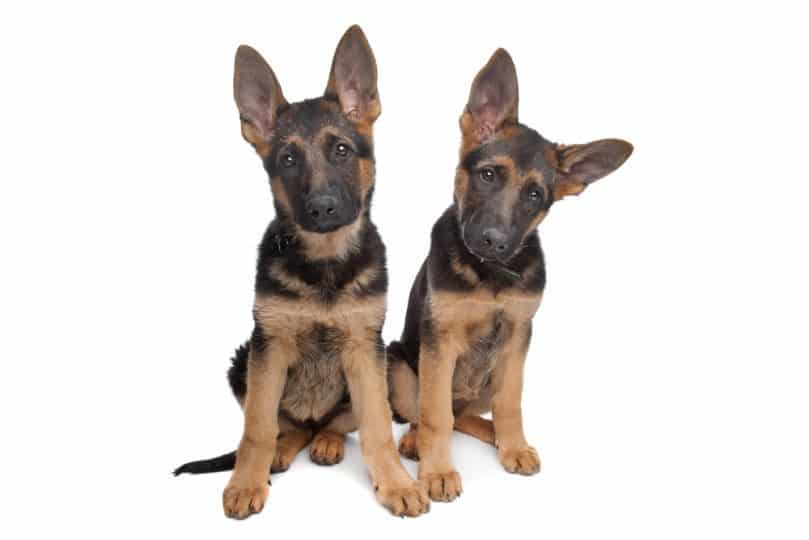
<point>314,368</point>
<point>468,322</point>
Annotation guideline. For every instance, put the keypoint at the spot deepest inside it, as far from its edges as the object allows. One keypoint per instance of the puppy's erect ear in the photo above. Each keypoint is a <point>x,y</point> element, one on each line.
<point>258,96</point>
<point>493,98</point>
<point>580,165</point>
<point>353,77</point>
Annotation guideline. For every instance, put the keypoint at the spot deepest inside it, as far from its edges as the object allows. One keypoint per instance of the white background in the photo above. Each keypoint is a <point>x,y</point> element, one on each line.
<point>666,387</point>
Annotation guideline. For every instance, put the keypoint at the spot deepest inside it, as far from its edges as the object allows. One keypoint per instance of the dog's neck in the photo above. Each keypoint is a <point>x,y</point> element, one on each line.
<point>337,245</point>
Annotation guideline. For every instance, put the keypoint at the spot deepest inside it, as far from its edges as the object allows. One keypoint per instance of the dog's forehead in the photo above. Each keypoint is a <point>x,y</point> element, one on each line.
<point>307,119</point>
<point>523,147</point>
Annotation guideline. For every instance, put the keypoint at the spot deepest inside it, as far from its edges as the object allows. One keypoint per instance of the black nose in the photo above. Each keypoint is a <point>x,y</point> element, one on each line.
<point>495,242</point>
<point>322,207</point>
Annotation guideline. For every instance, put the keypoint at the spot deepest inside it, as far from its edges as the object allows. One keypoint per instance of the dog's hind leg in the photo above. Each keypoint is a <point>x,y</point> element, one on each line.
<point>477,427</point>
<point>404,399</point>
<point>328,446</point>
<point>404,389</point>
<point>290,442</point>
<point>407,444</point>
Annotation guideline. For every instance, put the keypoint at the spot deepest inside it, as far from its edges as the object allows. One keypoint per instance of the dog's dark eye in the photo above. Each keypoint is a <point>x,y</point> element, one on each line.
<point>487,175</point>
<point>341,149</point>
<point>288,160</point>
<point>535,195</point>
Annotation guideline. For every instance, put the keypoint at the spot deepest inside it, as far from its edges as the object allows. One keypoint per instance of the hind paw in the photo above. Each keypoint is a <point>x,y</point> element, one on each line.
<point>327,448</point>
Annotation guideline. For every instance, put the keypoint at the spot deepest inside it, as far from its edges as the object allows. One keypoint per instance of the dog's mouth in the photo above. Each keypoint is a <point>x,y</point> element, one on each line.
<point>490,262</point>
<point>325,226</point>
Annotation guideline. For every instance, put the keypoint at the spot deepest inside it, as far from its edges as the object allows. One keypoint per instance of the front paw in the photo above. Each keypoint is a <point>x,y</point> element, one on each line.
<point>443,486</point>
<point>522,460</point>
<point>410,500</point>
<point>242,501</point>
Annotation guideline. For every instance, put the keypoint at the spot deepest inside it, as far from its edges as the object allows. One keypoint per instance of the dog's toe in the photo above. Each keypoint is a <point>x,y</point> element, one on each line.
<point>523,460</point>
<point>327,448</point>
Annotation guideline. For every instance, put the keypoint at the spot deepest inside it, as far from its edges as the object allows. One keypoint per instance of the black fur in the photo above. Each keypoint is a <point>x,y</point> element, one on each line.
<point>237,373</point>
<point>447,243</point>
<point>280,245</point>
<point>225,462</point>
<point>330,276</point>
<point>329,171</point>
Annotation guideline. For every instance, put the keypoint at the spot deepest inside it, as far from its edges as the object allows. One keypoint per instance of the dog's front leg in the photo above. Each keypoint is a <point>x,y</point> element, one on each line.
<point>247,490</point>
<point>365,371</point>
<point>512,449</point>
<point>437,358</point>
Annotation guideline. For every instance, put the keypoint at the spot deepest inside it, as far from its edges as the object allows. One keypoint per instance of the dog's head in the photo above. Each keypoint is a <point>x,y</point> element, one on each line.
<point>509,175</point>
<point>318,152</point>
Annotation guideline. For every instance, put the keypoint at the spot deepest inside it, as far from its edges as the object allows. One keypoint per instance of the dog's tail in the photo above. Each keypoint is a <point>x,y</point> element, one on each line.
<point>225,462</point>
<point>237,377</point>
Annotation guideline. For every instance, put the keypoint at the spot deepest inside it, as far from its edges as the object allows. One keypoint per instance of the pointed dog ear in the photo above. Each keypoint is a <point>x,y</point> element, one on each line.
<point>493,99</point>
<point>353,77</point>
<point>258,96</point>
<point>582,164</point>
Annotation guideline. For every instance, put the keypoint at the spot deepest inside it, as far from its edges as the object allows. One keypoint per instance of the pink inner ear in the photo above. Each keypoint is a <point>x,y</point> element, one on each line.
<point>493,99</point>
<point>257,109</point>
<point>349,96</point>
<point>486,122</point>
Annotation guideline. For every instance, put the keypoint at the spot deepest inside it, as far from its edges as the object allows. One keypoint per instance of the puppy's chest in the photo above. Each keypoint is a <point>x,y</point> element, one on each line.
<point>315,381</point>
<point>484,340</point>
<point>311,338</point>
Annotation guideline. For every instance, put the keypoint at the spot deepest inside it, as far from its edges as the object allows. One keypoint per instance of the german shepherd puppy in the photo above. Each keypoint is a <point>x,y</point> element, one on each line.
<point>314,368</point>
<point>468,321</point>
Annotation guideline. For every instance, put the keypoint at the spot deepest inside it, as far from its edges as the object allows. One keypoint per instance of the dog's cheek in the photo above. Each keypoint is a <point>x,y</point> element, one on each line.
<point>461,189</point>
<point>365,174</point>
<point>279,192</point>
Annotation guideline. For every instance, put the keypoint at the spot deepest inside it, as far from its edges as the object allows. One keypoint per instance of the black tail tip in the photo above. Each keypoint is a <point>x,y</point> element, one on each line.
<point>225,462</point>
<point>180,470</point>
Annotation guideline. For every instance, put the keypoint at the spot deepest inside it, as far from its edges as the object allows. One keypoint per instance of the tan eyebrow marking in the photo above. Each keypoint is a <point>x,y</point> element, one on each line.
<point>327,131</point>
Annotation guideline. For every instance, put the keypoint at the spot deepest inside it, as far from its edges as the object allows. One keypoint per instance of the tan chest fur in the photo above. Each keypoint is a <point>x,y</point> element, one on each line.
<point>478,326</point>
<point>310,339</point>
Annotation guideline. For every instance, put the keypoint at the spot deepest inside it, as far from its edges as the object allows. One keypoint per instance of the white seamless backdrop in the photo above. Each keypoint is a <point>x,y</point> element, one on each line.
<point>666,382</point>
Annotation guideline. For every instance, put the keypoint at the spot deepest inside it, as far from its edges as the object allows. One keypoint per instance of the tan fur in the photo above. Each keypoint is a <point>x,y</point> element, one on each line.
<point>280,196</point>
<point>404,391</point>
<point>477,427</point>
<point>461,185</point>
<point>327,448</point>
<point>316,350</point>
<point>513,451</point>
<point>253,136</point>
<point>456,372</point>
<point>247,489</point>
<point>367,380</point>
<point>315,382</point>
<point>285,319</point>
<point>343,423</point>
<point>436,368</point>
<point>356,323</point>
<point>290,443</point>
<point>463,270</point>
<point>408,444</point>
<point>333,245</point>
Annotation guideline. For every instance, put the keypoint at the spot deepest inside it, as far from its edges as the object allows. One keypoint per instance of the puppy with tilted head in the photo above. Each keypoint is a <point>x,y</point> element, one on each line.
<point>314,368</point>
<point>468,321</point>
